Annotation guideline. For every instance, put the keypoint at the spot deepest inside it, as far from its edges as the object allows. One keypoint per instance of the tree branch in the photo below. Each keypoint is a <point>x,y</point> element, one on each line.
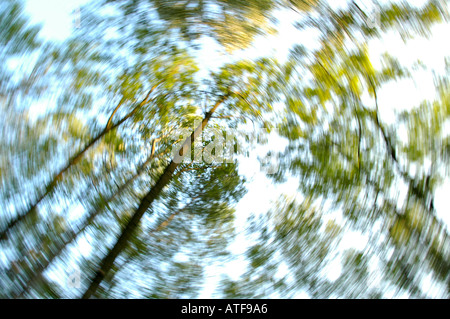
<point>145,203</point>
<point>71,162</point>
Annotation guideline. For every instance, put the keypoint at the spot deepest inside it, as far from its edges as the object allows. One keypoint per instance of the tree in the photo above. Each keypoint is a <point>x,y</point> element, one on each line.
<point>131,157</point>
<point>233,24</point>
<point>346,158</point>
<point>164,78</point>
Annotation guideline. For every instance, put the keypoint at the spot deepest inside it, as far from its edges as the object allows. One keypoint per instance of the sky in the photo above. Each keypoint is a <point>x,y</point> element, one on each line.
<point>57,16</point>
<point>59,19</point>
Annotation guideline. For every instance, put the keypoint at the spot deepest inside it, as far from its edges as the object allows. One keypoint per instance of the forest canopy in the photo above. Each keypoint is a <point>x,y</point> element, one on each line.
<point>125,162</point>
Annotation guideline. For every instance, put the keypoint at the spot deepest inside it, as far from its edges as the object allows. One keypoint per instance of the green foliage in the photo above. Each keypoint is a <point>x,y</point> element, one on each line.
<point>17,37</point>
<point>119,89</point>
<point>342,152</point>
<point>231,23</point>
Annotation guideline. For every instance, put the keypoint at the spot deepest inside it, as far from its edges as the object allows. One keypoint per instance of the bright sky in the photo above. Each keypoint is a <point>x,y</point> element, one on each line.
<point>59,21</point>
<point>56,15</point>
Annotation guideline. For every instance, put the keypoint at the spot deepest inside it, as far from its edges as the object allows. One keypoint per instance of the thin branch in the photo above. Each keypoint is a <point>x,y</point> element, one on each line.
<point>109,123</point>
<point>430,206</point>
<point>167,221</point>
<point>359,142</point>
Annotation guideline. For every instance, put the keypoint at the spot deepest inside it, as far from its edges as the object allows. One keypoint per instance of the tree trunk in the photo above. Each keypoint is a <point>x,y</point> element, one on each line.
<point>72,161</point>
<point>73,235</point>
<point>148,199</point>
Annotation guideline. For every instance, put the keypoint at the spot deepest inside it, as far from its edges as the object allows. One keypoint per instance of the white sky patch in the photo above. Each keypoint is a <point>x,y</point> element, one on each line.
<point>407,93</point>
<point>235,268</point>
<point>354,240</point>
<point>57,16</point>
<point>432,290</point>
<point>279,44</point>
<point>333,270</point>
<point>430,51</point>
<point>302,295</point>
<point>442,202</point>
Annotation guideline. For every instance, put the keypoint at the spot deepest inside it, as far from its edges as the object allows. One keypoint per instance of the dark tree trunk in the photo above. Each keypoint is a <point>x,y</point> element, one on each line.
<point>72,161</point>
<point>73,235</point>
<point>148,199</point>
